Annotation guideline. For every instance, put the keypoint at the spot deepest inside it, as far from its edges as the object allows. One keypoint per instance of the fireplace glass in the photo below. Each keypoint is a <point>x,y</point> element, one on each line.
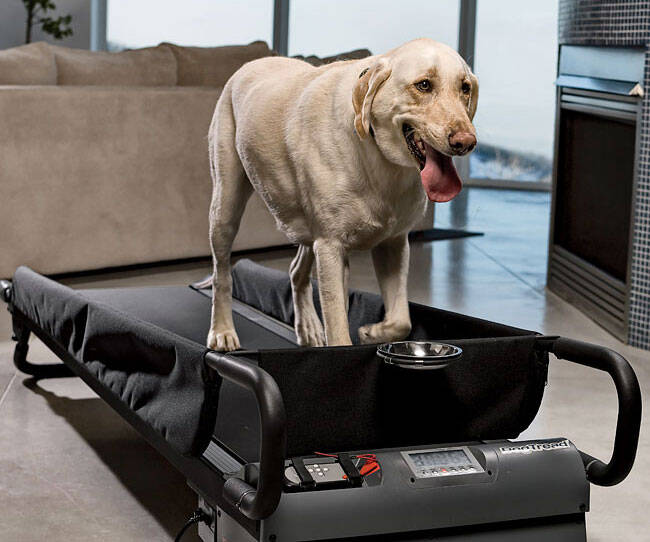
<point>595,175</point>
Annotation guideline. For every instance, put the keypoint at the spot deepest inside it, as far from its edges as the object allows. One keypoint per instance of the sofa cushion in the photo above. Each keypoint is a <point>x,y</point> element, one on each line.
<point>213,66</point>
<point>31,64</point>
<point>148,67</point>
<point>350,55</point>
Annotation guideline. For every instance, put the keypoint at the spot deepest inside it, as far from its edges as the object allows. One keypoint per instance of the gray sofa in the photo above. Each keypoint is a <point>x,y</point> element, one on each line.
<point>103,156</point>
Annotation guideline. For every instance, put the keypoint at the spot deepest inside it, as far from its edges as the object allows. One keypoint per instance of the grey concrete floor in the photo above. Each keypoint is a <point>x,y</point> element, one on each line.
<point>71,469</point>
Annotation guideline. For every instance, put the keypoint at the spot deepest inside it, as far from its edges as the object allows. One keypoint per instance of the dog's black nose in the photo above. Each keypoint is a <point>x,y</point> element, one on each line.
<point>462,142</point>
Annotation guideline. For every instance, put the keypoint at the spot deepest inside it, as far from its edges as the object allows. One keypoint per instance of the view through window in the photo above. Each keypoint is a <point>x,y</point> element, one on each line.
<point>515,60</point>
<point>143,23</point>
<point>327,27</point>
<point>515,55</point>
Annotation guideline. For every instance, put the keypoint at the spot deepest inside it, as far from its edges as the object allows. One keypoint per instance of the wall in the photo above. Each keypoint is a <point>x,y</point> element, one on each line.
<point>13,16</point>
<point>604,22</point>
<point>623,23</point>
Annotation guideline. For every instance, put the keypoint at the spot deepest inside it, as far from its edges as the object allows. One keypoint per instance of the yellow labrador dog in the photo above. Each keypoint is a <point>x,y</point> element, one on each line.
<point>344,156</point>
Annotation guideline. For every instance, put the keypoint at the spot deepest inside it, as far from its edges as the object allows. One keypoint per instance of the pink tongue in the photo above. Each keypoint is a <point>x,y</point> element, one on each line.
<point>439,177</point>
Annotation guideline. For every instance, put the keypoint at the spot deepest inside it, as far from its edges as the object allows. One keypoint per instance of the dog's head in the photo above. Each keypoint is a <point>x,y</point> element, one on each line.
<point>418,102</point>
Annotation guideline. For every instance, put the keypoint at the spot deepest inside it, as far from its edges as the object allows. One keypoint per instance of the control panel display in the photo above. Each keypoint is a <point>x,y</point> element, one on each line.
<point>444,458</point>
<point>442,462</point>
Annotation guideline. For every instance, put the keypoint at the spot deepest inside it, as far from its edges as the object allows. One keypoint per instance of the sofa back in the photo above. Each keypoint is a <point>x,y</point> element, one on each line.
<point>166,65</point>
<point>213,66</point>
<point>148,67</point>
<point>31,64</point>
<point>314,60</point>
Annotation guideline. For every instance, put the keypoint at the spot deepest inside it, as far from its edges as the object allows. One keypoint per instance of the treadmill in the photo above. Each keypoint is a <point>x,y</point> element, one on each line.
<point>288,443</point>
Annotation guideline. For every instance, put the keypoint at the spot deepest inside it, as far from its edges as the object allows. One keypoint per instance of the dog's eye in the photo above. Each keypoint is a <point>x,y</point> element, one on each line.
<point>466,87</point>
<point>424,85</point>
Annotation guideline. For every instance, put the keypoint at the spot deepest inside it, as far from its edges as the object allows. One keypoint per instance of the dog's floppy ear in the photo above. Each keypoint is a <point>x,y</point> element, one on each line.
<point>473,99</point>
<point>364,93</point>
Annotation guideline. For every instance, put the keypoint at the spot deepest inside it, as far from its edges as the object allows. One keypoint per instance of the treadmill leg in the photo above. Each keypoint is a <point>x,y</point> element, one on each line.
<point>51,370</point>
<point>208,533</point>
<point>222,527</point>
<point>228,529</point>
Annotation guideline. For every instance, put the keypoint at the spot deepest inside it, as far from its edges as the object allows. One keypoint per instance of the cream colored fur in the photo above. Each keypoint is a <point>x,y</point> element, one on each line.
<point>300,136</point>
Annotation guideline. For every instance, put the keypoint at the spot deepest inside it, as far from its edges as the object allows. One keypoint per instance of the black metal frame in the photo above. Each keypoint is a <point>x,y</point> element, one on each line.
<point>21,335</point>
<point>628,423</point>
<point>258,500</point>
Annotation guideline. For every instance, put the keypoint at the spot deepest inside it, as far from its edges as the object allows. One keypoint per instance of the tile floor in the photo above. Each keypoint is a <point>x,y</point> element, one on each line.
<point>72,470</point>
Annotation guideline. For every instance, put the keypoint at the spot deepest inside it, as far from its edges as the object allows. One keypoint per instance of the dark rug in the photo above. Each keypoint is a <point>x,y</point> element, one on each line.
<point>440,234</point>
<point>434,234</point>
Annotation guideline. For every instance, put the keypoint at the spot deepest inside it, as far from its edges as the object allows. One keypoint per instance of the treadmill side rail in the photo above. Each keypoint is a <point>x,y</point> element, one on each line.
<point>5,289</point>
<point>260,502</point>
<point>21,333</point>
<point>628,423</point>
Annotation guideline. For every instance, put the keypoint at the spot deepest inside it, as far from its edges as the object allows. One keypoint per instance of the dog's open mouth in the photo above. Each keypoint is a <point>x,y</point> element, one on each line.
<point>437,171</point>
<point>415,145</point>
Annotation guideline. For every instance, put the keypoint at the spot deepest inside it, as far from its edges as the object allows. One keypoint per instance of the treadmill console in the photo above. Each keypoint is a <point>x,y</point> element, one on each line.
<point>333,472</point>
<point>442,462</point>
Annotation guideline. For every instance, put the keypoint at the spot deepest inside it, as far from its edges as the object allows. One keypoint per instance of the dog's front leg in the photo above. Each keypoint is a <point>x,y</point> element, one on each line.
<point>330,265</point>
<point>309,330</point>
<point>391,260</point>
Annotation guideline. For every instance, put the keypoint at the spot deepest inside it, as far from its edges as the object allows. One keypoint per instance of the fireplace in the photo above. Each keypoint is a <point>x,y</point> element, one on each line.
<point>594,181</point>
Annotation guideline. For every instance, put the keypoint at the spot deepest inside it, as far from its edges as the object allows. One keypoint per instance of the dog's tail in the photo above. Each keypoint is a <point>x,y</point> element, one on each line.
<point>202,284</point>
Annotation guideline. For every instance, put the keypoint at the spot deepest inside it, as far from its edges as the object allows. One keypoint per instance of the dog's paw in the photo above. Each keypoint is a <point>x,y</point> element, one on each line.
<point>309,331</point>
<point>384,332</point>
<point>223,341</point>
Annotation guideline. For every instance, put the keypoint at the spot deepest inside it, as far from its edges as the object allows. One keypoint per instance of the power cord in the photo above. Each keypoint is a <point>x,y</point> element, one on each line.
<point>197,517</point>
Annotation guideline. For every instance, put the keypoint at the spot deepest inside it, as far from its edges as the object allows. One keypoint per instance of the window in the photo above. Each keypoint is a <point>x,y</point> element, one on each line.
<point>328,27</point>
<point>191,22</point>
<point>515,60</point>
<point>515,56</point>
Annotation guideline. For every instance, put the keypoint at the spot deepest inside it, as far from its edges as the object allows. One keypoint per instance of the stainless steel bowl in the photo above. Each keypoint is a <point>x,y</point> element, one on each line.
<point>418,354</point>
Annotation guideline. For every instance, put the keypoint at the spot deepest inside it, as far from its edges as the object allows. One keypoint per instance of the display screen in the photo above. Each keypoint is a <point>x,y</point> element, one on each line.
<point>443,458</point>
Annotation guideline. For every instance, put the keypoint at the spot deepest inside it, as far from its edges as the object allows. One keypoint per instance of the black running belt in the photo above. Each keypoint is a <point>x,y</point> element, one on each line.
<point>186,312</point>
<point>285,335</point>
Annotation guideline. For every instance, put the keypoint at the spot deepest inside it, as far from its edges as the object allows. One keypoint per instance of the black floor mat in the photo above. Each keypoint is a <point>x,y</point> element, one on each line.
<point>440,234</point>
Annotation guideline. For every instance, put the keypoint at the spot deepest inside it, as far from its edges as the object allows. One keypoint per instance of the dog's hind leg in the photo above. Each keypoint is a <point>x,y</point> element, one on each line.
<point>309,329</point>
<point>231,191</point>
<point>391,261</point>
